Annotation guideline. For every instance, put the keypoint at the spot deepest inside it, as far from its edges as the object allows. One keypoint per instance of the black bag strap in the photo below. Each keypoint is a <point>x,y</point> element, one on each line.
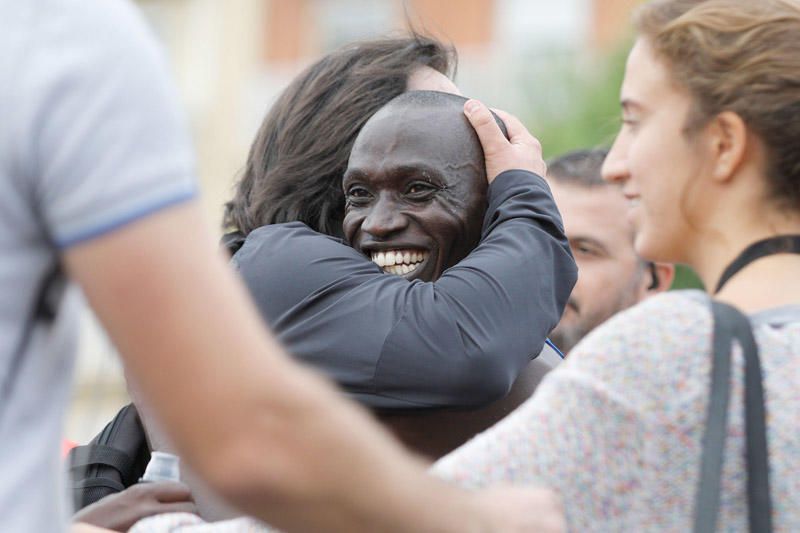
<point>729,324</point>
<point>45,307</point>
<point>99,454</point>
<point>99,483</point>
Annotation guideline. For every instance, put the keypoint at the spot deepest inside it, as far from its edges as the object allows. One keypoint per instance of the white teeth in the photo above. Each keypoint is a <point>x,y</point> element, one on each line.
<point>399,262</point>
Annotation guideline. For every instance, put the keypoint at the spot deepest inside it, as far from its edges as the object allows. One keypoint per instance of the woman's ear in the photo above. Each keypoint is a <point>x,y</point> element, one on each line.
<point>728,142</point>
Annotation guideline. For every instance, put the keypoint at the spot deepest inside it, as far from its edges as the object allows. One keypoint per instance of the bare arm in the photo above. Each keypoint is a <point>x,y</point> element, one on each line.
<point>273,438</point>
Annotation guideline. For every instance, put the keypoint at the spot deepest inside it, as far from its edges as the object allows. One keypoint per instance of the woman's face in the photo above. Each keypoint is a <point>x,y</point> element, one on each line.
<point>427,79</point>
<point>659,168</point>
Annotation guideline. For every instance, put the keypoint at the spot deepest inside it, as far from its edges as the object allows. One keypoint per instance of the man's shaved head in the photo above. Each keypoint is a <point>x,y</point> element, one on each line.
<point>416,183</point>
<point>441,104</point>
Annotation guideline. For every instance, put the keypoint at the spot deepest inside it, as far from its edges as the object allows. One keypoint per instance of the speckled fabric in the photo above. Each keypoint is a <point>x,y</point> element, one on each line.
<point>617,428</point>
<point>189,523</point>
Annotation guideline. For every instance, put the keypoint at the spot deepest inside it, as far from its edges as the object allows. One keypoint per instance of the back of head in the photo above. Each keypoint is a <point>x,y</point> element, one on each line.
<point>741,56</point>
<point>580,167</point>
<point>295,165</point>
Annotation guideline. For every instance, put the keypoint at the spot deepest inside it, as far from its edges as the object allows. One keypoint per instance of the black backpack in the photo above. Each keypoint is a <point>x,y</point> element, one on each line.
<point>111,462</point>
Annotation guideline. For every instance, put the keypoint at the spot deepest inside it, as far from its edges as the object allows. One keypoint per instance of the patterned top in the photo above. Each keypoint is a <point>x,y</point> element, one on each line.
<point>617,428</point>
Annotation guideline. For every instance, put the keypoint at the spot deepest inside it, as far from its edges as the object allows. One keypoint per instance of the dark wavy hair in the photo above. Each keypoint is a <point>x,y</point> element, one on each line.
<point>295,166</point>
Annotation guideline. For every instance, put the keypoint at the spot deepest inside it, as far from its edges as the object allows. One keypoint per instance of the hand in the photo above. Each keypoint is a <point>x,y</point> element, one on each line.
<point>522,151</point>
<point>512,509</point>
<point>120,511</point>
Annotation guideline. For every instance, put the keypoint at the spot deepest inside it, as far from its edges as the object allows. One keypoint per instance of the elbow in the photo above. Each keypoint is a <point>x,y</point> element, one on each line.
<point>483,380</point>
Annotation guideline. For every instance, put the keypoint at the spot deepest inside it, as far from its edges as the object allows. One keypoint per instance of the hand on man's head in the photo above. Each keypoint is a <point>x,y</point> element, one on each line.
<point>520,150</point>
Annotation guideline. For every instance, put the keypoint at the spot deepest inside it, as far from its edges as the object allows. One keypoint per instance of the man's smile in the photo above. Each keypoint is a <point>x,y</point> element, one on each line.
<point>399,261</point>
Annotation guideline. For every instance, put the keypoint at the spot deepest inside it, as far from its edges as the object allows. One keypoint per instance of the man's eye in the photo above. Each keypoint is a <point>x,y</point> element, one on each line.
<point>420,190</point>
<point>584,250</point>
<point>357,193</point>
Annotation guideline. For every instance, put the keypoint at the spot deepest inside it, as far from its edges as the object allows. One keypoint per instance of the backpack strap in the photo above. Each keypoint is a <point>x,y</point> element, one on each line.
<point>98,454</point>
<point>110,486</point>
<point>729,324</point>
<point>45,308</point>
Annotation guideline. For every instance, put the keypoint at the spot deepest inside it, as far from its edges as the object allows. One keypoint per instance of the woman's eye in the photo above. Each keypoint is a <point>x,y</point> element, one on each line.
<point>629,122</point>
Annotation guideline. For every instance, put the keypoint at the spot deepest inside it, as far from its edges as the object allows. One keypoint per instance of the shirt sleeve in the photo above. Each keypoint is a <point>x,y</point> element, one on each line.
<point>107,143</point>
<point>460,341</point>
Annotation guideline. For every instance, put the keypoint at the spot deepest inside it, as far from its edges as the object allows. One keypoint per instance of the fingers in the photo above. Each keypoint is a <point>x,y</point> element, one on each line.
<point>166,491</point>
<point>522,151</point>
<point>517,132</point>
<point>182,507</point>
<point>489,133</point>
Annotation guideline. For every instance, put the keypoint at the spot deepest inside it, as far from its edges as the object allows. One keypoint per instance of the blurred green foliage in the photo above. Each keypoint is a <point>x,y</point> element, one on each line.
<point>582,111</point>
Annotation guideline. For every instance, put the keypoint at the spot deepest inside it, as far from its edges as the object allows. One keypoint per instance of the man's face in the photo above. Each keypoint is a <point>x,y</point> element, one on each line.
<point>415,191</point>
<point>610,275</point>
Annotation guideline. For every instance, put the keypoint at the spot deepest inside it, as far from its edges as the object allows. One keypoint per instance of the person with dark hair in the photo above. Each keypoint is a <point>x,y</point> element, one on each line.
<point>331,306</point>
<point>334,308</point>
<point>295,166</point>
<point>611,276</point>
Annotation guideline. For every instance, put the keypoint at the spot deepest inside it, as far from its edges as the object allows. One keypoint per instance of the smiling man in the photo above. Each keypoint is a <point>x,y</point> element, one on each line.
<point>448,290</point>
<point>415,195</point>
<point>611,277</point>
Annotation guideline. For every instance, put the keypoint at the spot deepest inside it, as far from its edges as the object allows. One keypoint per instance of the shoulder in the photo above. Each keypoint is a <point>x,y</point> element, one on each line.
<point>664,320</point>
<point>291,241</point>
<point>284,251</point>
<point>658,343</point>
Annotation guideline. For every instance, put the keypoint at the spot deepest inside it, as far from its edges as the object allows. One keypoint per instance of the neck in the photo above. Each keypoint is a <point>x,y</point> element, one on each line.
<point>767,281</point>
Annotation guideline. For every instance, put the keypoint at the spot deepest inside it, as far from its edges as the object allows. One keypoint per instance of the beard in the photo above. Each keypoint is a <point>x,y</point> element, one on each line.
<point>568,333</point>
<point>566,336</point>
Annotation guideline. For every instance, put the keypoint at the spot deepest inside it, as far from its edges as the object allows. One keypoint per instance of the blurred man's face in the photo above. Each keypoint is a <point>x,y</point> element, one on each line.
<point>610,275</point>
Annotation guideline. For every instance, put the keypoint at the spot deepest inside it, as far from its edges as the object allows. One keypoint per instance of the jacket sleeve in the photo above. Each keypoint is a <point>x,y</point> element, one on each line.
<point>460,341</point>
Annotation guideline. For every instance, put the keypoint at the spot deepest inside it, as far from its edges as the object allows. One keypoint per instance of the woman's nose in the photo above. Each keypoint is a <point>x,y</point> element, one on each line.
<point>615,166</point>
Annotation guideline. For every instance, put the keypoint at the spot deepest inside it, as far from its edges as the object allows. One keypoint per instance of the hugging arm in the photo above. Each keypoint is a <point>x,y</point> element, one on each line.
<point>459,342</point>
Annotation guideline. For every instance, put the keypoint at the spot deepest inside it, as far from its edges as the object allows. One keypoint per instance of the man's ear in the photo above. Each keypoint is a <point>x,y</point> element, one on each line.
<point>658,277</point>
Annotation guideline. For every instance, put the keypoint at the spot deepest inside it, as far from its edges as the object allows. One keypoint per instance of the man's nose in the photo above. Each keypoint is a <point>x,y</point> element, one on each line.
<point>384,219</point>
